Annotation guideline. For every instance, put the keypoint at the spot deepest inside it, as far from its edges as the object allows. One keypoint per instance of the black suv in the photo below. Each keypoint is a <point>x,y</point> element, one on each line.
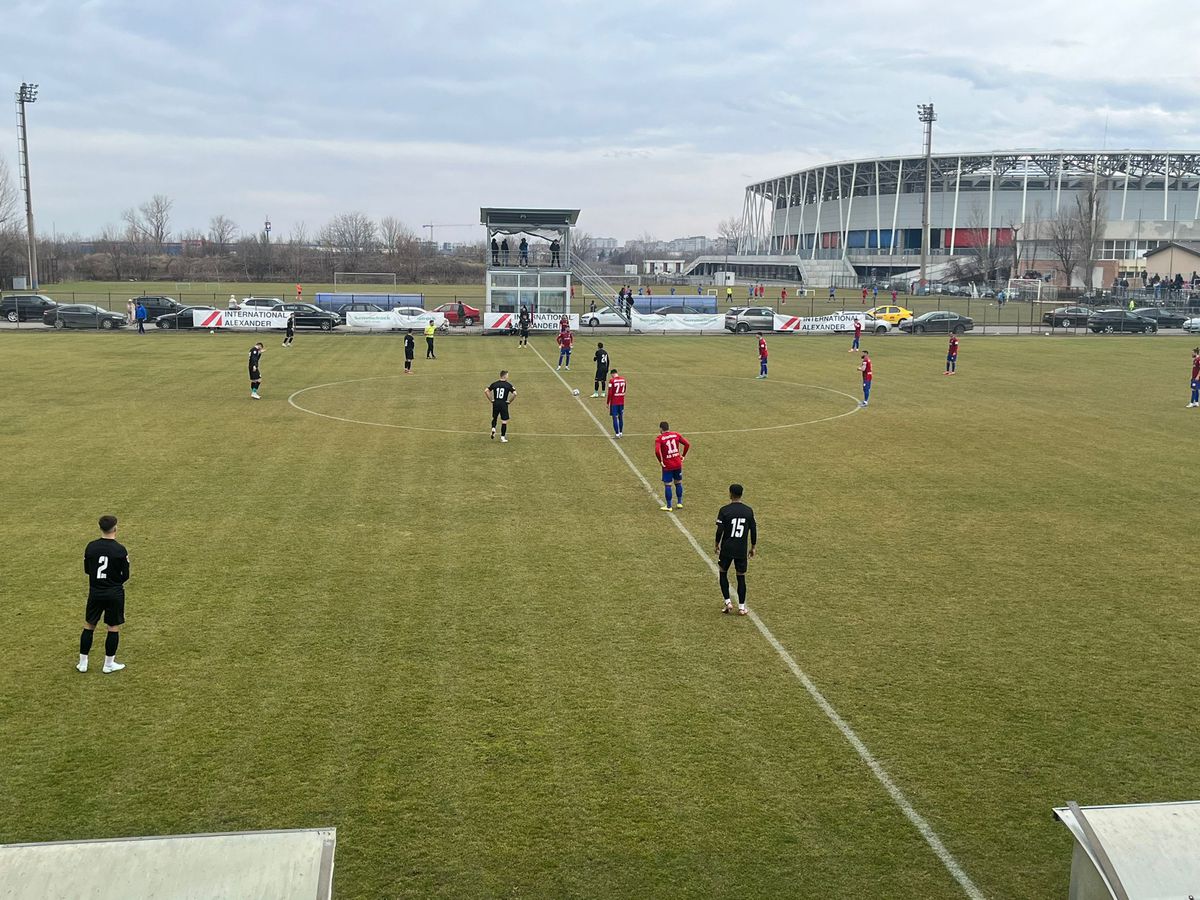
<point>25,307</point>
<point>158,306</point>
<point>1122,321</point>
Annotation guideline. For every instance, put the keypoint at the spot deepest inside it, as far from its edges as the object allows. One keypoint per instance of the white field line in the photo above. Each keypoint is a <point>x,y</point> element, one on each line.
<point>881,775</point>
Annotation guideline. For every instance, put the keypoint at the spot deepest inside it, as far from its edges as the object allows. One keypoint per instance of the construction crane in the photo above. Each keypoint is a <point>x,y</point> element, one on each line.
<point>434,225</point>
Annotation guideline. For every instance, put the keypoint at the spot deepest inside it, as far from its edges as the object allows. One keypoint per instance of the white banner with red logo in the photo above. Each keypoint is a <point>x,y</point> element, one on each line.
<point>839,322</point>
<point>493,321</point>
<point>251,319</point>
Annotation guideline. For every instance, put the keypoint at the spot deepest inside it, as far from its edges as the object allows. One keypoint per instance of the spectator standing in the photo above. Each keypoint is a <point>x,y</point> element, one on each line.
<point>461,312</point>
<point>523,251</point>
<point>129,312</point>
<point>783,296</point>
<point>495,253</point>
<point>555,253</point>
<point>233,304</point>
<point>140,315</point>
<point>504,251</point>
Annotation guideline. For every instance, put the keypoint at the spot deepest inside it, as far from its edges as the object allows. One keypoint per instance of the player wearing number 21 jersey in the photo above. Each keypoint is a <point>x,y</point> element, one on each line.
<point>671,447</point>
<point>616,403</point>
<point>737,534</point>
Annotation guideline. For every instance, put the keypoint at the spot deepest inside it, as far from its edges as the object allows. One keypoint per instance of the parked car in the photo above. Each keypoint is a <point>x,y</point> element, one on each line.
<point>1166,318</point>
<point>893,314</point>
<point>605,315</point>
<point>259,303</point>
<point>741,319</point>
<point>450,311</point>
<point>870,324</point>
<point>357,306</point>
<point>1122,321</point>
<point>83,315</point>
<point>1192,326</point>
<point>416,317</point>
<point>1068,317</point>
<point>182,318</point>
<point>158,306</point>
<point>679,310</point>
<point>939,321</point>
<point>309,316</point>
<point>25,307</point>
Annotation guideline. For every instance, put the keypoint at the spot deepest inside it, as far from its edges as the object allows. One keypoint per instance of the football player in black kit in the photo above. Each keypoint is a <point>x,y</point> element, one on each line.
<point>107,566</point>
<point>501,394</point>
<point>255,375</point>
<point>410,347</point>
<point>601,359</point>
<point>523,321</point>
<point>737,534</point>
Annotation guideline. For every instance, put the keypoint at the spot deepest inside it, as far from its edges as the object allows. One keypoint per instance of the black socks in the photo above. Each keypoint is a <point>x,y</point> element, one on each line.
<point>110,643</point>
<point>85,641</point>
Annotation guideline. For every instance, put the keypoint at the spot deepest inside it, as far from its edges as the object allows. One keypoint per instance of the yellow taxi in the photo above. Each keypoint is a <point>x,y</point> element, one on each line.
<point>893,314</point>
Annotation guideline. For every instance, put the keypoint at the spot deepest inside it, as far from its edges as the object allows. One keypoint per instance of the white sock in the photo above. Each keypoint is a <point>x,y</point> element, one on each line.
<point>83,659</point>
<point>109,660</point>
<point>741,606</point>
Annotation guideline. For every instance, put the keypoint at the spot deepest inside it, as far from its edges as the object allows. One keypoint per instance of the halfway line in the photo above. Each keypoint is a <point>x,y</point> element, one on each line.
<point>881,775</point>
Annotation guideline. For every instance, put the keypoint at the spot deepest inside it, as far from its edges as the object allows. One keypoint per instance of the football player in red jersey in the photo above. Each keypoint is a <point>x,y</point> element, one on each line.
<point>762,357</point>
<point>670,447</point>
<point>565,339</point>
<point>952,355</point>
<point>868,373</point>
<point>857,334</point>
<point>616,402</point>
<point>1195,378</point>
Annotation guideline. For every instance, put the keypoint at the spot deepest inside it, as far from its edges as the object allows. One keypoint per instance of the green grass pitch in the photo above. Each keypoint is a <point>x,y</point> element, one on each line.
<point>499,670</point>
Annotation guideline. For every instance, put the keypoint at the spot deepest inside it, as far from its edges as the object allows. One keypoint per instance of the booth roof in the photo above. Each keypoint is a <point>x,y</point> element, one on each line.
<point>509,217</point>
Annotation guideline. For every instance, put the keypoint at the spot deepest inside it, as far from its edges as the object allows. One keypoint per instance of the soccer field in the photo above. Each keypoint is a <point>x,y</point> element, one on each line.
<point>500,670</point>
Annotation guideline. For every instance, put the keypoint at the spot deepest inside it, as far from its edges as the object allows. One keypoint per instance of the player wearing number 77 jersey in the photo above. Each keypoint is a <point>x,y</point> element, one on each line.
<point>737,534</point>
<point>671,447</point>
<point>616,403</point>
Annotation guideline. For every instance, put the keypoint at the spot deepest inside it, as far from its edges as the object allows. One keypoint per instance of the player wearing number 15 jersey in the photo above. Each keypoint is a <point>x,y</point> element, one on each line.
<point>671,447</point>
<point>737,533</point>
<point>106,564</point>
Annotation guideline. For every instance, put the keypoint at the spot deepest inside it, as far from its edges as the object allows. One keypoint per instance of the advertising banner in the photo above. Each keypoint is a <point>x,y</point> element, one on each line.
<point>694,322</point>
<point>540,321</point>
<point>386,320</point>
<point>248,319</point>
<point>834,323</point>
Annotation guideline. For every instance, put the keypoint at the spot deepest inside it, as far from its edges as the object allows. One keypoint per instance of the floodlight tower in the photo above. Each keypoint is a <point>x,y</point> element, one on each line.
<point>927,116</point>
<point>26,94</point>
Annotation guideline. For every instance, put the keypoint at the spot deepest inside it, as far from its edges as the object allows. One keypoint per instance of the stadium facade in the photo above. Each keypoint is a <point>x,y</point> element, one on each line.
<point>863,217</point>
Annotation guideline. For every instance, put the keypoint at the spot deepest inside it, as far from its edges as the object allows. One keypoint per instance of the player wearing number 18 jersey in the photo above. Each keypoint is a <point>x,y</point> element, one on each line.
<point>671,447</point>
<point>501,393</point>
<point>737,533</point>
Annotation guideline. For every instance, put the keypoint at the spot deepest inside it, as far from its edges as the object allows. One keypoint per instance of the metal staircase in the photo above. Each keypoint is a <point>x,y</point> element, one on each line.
<point>596,284</point>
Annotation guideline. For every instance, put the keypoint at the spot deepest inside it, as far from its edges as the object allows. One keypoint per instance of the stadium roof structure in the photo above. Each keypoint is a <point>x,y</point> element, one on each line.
<point>511,216</point>
<point>284,863</point>
<point>1133,850</point>
<point>1006,168</point>
<point>1187,246</point>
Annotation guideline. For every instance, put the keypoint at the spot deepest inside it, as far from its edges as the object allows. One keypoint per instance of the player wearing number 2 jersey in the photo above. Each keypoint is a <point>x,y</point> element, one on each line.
<point>106,564</point>
<point>671,447</point>
<point>737,533</point>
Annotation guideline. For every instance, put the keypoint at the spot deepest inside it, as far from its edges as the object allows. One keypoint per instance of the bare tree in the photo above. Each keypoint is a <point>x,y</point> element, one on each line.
<point>1090,216</point>
<point>9,202</point>
<point>393,233</point>
<point>151,221</point>
<point>1062,235</point>
<point>732,231</point>
<point>221,232</point>
<point>583,246</point>
<point>297,252</point>
<point>116,246</point>
<point>986,253</point>
<point>352,236</point>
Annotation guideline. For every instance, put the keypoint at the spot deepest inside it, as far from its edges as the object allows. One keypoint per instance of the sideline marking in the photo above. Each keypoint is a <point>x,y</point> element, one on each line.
<point>881,775</point>
<point>313,387</point>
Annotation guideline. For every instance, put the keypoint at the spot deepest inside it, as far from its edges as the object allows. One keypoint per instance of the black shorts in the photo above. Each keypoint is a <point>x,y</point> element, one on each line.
<point>500,410</point>
<point>602,374</point>
<point>111,608</point>
<point>739,563</point>
<point>255,375</point>
<point>524,331</point>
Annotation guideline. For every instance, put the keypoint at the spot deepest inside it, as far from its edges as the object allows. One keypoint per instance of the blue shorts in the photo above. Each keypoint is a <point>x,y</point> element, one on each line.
<point>670,475</point>
<point>951,357</point>
<point>617,409</point>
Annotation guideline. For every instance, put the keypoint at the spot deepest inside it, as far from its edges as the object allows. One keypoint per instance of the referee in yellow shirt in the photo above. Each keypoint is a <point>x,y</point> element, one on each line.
<point>430,330</point>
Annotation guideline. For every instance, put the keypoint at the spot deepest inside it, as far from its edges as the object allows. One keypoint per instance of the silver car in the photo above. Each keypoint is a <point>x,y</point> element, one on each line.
<point>741,319</point>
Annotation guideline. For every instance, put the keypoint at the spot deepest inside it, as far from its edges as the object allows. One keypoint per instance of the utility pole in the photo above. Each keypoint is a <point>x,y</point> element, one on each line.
<point>27,94</point>
<point>927,116</point>
<point>267,234</point>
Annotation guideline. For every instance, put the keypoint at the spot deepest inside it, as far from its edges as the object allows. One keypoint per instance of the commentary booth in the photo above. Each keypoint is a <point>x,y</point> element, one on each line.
<point>538,278</point>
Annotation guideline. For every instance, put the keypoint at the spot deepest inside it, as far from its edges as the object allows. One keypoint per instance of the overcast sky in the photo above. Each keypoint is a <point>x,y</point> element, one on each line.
<point>649,116</point>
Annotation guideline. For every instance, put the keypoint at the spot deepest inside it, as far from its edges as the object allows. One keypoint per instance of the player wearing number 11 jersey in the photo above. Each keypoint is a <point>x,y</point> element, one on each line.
<point>671,447</point>
<point>737,533</point>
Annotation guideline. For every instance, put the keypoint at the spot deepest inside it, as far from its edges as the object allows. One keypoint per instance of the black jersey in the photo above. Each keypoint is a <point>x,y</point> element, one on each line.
<point>107,566</point>
<point>601,359</point>
<point>291,325</point>
<point>409,346</point>
<point>736,530</point>
<point>523,318</point>
<point>502,392</point>
<point>255,353</point>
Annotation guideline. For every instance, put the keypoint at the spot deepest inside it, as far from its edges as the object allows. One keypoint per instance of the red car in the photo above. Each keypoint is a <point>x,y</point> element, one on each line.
<point>450,311</point>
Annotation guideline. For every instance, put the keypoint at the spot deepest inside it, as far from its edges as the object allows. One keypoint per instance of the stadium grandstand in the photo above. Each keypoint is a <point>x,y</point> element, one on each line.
<point>995,211</point>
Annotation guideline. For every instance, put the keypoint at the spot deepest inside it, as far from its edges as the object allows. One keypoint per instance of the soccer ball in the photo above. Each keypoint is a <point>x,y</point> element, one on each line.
<point>575,393</point>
